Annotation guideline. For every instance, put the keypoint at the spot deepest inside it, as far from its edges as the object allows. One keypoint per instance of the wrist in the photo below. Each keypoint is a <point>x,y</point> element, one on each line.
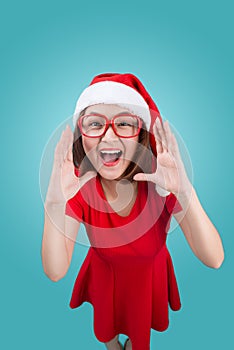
<point>184,196</point>
<point>53,205</point>
<point>185,189</point>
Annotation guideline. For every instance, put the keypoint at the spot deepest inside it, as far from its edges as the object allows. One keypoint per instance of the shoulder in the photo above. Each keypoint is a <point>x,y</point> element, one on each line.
<point>169,203</point>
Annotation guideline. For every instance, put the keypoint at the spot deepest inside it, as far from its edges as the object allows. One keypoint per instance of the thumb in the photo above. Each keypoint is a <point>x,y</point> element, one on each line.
<point>70,155</point>
<point>144,177</point>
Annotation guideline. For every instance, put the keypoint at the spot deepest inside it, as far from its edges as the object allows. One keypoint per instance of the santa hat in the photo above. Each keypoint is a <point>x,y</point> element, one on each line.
<point>124,90</point>
<point>127,91</point>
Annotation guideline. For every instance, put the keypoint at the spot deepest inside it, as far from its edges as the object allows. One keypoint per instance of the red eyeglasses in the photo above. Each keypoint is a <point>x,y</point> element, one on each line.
<point>124,125</point>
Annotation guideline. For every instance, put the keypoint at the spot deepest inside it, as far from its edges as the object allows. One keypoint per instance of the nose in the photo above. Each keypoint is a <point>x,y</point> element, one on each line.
<point>109,134</point>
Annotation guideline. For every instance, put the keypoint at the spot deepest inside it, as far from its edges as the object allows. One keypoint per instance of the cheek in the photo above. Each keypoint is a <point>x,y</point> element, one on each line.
<point>131,147</point>
<point>89,144</point>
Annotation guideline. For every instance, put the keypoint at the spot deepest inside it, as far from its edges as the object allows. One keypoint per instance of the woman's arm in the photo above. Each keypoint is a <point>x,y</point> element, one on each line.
<point>199,231</point>
<point>59,235</point>
<point>171,176</point>
<point>60,230</point>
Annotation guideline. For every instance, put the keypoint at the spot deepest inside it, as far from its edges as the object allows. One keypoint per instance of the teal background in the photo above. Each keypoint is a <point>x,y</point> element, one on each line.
<point>50,50</point>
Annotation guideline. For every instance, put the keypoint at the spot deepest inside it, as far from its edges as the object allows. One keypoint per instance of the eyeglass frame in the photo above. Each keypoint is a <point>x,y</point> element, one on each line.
<point>108,123</point>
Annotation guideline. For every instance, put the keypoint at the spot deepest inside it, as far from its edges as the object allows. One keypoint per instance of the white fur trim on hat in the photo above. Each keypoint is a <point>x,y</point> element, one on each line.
<point>111,92</point>
<point>161,191</point>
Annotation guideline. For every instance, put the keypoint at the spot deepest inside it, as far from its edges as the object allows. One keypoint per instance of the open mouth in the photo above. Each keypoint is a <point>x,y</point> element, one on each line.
<point>110,157</point>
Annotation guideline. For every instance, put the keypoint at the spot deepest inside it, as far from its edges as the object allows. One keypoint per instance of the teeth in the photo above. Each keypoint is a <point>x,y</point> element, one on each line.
<point>111,152</point>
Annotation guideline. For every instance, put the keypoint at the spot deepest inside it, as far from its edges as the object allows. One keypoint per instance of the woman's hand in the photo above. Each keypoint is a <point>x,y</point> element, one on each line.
<point>64,184</point>
<point>170,173</point>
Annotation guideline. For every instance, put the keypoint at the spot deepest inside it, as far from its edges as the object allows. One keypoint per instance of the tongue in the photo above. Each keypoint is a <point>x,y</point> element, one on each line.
<point>109,158</point>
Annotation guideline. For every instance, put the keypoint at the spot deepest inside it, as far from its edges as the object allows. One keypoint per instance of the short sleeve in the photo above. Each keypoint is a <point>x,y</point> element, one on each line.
<point>74,208</point>
<point>172,204</point>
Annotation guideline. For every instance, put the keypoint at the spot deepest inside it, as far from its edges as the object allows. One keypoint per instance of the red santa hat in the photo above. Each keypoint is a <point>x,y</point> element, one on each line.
<point>125,90</point>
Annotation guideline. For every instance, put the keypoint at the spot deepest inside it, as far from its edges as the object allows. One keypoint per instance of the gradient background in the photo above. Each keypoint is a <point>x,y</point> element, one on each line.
<point>183,53</point>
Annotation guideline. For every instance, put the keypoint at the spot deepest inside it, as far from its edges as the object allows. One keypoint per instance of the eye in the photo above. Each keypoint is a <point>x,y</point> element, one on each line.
<point>126,122</point>
<point>123,123</point>
<point>95,124</point>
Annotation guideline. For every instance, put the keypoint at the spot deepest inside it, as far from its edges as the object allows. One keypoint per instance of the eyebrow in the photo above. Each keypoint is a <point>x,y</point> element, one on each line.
<point>121,113</point>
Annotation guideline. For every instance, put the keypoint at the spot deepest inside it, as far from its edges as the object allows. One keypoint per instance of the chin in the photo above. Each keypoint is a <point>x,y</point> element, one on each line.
<point>110,175</point>
<point>110,171</point>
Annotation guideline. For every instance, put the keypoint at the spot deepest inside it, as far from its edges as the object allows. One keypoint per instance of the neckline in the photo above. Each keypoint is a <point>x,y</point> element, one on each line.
<point>112,211</point>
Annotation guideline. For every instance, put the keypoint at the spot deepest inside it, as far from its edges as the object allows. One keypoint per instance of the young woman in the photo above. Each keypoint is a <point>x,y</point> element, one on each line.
<point>122,176</point>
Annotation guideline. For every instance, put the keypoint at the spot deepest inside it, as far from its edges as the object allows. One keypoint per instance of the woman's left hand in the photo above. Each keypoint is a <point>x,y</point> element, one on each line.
<point>170,174</point>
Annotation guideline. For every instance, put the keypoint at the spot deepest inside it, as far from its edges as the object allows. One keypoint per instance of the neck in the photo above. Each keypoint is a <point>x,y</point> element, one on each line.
<point>118,189</point>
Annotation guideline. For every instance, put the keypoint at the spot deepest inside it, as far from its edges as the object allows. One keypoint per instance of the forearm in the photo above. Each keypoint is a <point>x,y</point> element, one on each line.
<point>54,251</point>
<point>201,234</point>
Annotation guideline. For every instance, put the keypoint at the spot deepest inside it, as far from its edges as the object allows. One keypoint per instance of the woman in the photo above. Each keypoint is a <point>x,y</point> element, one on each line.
<point>125,197</point>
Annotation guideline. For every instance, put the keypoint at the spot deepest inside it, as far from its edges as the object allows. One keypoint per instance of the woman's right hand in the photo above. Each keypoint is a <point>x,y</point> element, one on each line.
<point>64,184</point>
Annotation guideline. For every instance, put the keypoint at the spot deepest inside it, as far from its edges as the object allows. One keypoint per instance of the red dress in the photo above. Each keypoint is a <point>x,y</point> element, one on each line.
<point>127,275</point>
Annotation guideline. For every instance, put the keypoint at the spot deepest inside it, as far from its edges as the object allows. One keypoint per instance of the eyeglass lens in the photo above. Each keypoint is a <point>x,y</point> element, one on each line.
<point>124,125</point>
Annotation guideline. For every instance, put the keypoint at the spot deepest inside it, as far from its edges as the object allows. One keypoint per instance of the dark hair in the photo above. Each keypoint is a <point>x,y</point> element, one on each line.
<point>142,161</point>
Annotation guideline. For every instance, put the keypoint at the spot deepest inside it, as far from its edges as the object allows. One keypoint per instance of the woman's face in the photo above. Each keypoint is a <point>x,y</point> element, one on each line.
<point>109,154</point>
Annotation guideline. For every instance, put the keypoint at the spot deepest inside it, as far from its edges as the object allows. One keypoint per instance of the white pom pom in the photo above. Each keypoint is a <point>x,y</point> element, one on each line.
<point>161,191</point>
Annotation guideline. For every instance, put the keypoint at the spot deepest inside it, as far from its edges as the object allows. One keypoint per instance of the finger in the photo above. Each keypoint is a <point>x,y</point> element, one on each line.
<point>61,143</point>
<point>70,155</point>
<point>144,177</point>
<point>161,132</point>
<point>168,135</point>
<point>62,149</point>
<point>158,142</point>
<point>61,136</point>
<point>58,152</point>
<point>69,135</point>
<point>65,135</point>
<point>68,141</point>
<point>175,147</point>
<point>172,142</point>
